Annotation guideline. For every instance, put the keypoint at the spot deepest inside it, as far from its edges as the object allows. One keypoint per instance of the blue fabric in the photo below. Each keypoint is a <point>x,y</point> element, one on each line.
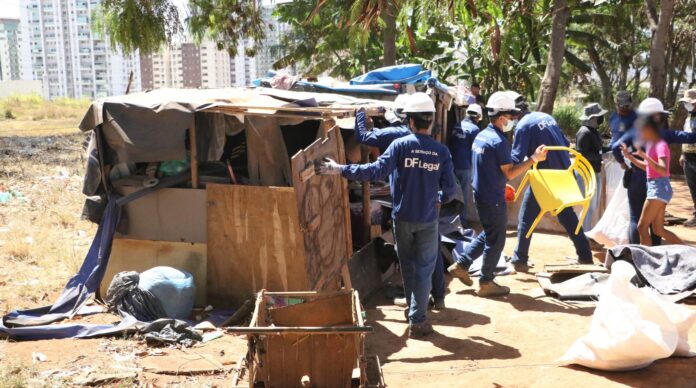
<point>173,288</point>
<point>490,151</point>
<point>363,89</point>
<point>462,139</point>
<point>378,137</point>
<point>660,189</point>
<point>670,136</point>
<point>535,129</point>
<point>417,247</point>
<point>418,166</point>
<point>490,242</point>
<point>402,74</point>
<point>438,286</point>
<point>594,204</point>
<point>464,178</point>
<point>620,124</point>
<point>529,210</point>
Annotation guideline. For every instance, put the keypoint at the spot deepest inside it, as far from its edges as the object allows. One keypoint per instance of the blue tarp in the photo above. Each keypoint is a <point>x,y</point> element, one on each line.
<point>34,323</point>
<point>399,74</point>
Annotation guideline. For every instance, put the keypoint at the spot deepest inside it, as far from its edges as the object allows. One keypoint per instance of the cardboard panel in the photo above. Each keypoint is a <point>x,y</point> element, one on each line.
<point>322,203</point>
<point>167,215</point>
<point>254,242</point>
<point>141,255</point>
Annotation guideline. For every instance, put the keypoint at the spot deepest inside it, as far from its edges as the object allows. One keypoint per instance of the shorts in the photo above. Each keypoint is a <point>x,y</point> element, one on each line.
<point>660,189</point>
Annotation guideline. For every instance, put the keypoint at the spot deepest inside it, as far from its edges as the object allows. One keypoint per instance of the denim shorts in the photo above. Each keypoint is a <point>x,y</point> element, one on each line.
<point>660,189</point>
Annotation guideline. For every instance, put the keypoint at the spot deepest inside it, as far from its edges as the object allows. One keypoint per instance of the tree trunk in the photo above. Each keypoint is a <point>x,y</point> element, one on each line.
<point>607,98</point>
<point>389,32</point>
<point>552,75</point>
<point>658,46</point>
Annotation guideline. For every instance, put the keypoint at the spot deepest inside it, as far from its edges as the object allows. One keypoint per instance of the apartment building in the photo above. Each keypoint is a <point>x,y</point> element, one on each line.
<point>272,48</point>
<point>70,59</point>
<point>10,54</point>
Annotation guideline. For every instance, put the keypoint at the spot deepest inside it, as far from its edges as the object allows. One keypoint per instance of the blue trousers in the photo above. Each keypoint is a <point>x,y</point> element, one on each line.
<point>438,291</point>
<point>417,249</point>
<point>464,178</point>
<point>490,242</point>
<point>637,192</point>
<point>529,211</point>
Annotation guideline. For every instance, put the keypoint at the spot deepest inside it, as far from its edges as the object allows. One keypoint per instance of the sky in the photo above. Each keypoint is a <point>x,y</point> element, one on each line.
<point>9,9</point>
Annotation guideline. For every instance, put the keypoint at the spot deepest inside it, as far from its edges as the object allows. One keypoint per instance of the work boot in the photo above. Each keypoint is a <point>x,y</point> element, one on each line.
<point>460,273</point>
<point>488,289</point>
<point>520,267</point>
<point>439,304</point>
<point>691,222</point>
<point>419,330</point>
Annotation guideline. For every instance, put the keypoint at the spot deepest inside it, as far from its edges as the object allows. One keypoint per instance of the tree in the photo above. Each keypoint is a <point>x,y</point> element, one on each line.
<point>660,26</point>
<point>552,75</point>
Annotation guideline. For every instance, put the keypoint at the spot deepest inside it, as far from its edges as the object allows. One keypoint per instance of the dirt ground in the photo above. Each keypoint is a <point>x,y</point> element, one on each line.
<point>511,342</point>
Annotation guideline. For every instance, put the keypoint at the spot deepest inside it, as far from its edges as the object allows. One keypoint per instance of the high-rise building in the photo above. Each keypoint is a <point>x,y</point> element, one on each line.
<point>69,58</point>
<point>10,53</point>
<point>271,49</point>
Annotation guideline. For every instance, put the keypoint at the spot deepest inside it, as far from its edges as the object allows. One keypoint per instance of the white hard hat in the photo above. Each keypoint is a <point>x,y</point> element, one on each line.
<point>513,94</point>
<point>650,106</point>
<point>400,102</point>
<point>475,108</point>
<point>419,103</point>
<point>501,102</point>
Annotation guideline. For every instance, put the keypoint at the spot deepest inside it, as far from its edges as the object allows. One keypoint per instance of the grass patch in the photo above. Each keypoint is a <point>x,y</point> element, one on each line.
<point>25,115</point>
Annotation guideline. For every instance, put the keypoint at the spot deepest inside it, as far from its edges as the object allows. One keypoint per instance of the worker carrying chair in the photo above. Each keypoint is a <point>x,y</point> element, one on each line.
<point>556,190</point>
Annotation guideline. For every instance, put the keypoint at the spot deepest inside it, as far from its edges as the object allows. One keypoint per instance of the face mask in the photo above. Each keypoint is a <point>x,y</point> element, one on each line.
<point>600,120</point>
<point>689,107</point>
<point>510,125</point>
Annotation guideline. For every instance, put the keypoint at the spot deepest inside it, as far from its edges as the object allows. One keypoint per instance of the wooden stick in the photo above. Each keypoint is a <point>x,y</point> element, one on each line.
<point>300,330</point>
<point>345,273</point>
<point>194,154</point>
<point>367,211</point>
<point>238,316</point>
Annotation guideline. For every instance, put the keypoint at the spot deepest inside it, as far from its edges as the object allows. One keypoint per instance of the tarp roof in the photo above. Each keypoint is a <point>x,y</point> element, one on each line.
<point>187,101</point>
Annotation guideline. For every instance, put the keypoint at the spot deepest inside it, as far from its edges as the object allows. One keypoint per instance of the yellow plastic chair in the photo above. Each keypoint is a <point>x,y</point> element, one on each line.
<point>556,190</point>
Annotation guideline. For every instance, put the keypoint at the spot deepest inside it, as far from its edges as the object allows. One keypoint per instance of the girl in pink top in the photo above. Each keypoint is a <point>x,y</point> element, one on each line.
<point>656,165</point>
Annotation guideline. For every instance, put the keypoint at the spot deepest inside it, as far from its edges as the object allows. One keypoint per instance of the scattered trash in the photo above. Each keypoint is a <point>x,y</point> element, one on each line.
<point>212,335</point>
<point>170,331</point>
<point>29,240</point>
<point>38,357</point>
<point>632,327</point>
<point>205,326</point>
<point>182,364</point>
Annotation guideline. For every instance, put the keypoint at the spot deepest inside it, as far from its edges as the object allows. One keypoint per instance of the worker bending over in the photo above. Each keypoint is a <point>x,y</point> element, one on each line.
<point>533,130</point>
<point>418,167</point>
<point>460,145</point>
<point>492,168</point>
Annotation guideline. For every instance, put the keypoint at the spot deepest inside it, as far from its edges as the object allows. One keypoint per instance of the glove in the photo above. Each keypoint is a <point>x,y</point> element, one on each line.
<point>391,116</point>
<point>509,193</point>
<point>327,166</point>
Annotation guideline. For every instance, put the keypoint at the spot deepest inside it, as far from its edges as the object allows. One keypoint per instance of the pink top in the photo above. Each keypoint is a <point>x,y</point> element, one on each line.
<point>655,152</point>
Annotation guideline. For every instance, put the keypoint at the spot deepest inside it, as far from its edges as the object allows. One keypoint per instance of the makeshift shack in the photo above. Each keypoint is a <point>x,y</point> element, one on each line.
<point>250,213</point>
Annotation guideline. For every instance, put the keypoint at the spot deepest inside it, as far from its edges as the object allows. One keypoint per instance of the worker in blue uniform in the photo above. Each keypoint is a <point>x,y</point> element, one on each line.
<point>534,129</point>
<point>492,168</point>
<point>382,138</point>
<point>635,179</point>
<point>460,146</point>
<point>418,168</point>
<point>622,120</point>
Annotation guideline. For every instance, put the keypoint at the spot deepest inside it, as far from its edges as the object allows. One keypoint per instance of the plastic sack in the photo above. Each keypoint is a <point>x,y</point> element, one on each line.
<point>160,292</point>
<point>174,288</point>
<point>612,227</point>
<point>631,327</point>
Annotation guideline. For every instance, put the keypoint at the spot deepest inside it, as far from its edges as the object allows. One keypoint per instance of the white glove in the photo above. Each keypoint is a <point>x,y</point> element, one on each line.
<point>391,116</point>
<point>327,167</point>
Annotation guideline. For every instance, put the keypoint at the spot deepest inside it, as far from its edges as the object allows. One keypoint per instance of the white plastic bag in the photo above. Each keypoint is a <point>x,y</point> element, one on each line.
<point>612,227</point>
<point>631,327</point>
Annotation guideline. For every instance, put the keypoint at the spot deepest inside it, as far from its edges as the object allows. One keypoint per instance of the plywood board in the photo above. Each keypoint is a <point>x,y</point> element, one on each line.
<point>141,255</point>
<point>322,205</point>
<point>254,242</point>
<point>167,215</point>
<point>331,311</point>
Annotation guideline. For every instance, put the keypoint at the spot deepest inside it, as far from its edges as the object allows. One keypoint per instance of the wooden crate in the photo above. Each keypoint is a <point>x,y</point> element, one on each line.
<point>305,339</point>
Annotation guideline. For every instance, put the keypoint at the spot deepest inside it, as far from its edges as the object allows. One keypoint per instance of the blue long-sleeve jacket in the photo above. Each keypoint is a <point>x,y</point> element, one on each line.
<point>670,136</point>
<point>621,124</point>
<point>535,129</point>
<point>462,139</point>
<point>418,167</point>
<point>378,137</point>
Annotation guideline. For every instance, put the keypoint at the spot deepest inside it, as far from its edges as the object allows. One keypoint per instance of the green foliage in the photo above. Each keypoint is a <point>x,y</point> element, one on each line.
<point>137,25</point>
<point>9,115</point>
<point>568,118</point>
<point>228,23</point>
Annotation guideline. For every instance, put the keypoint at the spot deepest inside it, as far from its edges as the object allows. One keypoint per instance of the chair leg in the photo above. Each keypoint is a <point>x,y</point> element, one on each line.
<point>521,187</point>
<point>534,224</point>
<point>583,214</point>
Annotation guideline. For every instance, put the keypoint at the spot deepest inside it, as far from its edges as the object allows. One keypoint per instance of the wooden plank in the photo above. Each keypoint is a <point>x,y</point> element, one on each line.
<point>364,271</point>
<point>254,242</point>
<point>141,255</point>
<point>367,206</point>
<point>194,153</point>
<point>345,273</point>
<point>322,196</point>
<point>331,311</point>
